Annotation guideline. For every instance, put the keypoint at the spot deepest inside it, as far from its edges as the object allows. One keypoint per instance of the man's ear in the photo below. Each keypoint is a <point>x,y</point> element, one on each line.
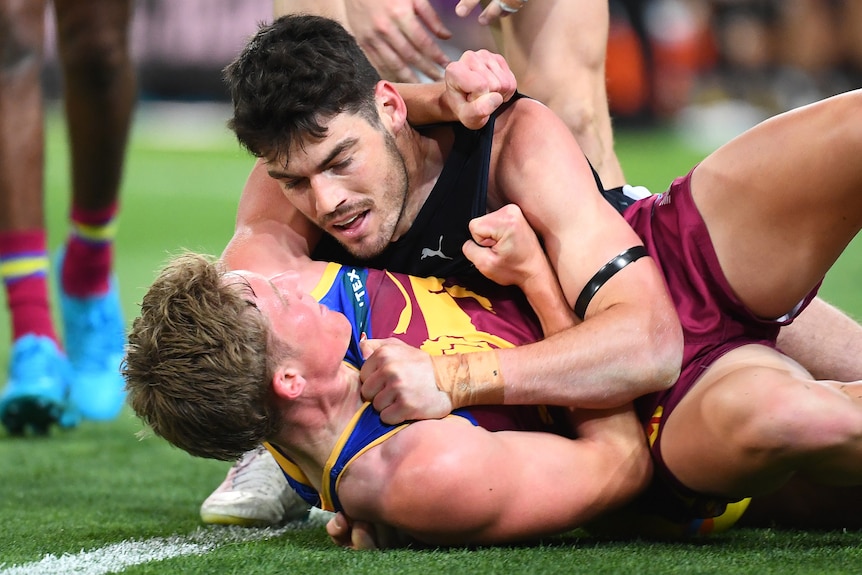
<point>390,104</point>
<point>287,382</point>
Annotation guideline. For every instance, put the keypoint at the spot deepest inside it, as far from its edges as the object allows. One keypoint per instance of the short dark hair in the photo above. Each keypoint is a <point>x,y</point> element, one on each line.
<point>293,76</point>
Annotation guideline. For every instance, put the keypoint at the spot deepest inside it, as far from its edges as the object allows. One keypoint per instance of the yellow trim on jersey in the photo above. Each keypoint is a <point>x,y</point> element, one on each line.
<point>654,425</point>
<point>406,312</point>
<point>326,492</point>
<point>287,465</point>
<point>326,281</point>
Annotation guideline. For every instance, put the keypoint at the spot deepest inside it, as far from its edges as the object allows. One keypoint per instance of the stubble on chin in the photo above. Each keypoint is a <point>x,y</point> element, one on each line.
<point>371,247</point>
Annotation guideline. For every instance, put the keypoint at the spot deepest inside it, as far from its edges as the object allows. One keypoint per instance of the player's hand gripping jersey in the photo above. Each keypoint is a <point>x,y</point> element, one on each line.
<point>438,316</point>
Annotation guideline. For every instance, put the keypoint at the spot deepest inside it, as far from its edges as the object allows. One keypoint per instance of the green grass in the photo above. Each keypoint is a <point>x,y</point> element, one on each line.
<point>100,485</point>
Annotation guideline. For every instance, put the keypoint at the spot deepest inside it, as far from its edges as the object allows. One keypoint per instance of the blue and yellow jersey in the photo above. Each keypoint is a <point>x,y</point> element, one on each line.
<point>438,316</point>
<point>435,315</point>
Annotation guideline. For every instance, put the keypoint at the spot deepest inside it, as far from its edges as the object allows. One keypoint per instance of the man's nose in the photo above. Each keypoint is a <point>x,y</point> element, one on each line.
<point>328,194</point>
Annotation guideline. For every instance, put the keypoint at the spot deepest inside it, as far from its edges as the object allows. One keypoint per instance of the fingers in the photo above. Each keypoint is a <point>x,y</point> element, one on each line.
<point>400,38</point>
<point>476,85</point>
<point>387,400</point>
<point>400,382</point>
<point>429,17</point>
<point>492,12</point>
<point>484,230</point>
<point>369,346</point>
<point>497,9</point>
<point>481,109</point>
<point>481,71</point>
<point>374,374</point>
<point>338,529</point>
<point>490,228</point>
<point>389,62</point>
<point>464,7</point>
<point>359,535</point>
<point>362,536</point>
<point>503,246</point>
<point>434,59</point>
<point>415,47</point>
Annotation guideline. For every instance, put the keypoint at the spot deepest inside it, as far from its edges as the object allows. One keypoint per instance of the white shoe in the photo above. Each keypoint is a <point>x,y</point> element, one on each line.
<point>255,493</point>
<point>636,192</point>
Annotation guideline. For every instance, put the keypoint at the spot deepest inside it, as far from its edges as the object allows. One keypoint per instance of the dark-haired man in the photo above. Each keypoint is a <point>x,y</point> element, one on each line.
<point>399,197</point>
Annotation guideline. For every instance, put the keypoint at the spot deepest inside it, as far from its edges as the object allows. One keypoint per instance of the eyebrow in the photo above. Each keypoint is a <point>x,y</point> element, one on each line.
<point>343,145</point>
<point>243,286</point>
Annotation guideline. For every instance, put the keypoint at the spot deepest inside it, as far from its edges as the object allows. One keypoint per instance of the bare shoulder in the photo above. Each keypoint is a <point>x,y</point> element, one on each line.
<point>537,163</point>
<point>528,121</point>
<point>270,233</point>
<point>533,148</point>
<point>423,458</point>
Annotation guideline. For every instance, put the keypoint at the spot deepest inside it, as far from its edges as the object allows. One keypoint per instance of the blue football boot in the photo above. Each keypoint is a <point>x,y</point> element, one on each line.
<point>95,343</point>
<point>36,393</point>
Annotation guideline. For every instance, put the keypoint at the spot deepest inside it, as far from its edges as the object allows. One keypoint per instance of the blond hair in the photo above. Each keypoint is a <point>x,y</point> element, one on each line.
<point>197,368</point>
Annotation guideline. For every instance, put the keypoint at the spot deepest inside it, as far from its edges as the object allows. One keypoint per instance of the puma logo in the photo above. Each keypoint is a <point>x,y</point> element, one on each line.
<point>429,253</point>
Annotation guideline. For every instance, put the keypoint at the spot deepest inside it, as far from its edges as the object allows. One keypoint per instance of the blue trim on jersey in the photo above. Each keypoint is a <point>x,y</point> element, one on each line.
<point>349,296</point>
<point>308,493</point>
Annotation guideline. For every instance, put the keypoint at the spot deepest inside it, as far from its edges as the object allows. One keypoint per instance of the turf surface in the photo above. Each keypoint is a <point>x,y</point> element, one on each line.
<point>101,490</point>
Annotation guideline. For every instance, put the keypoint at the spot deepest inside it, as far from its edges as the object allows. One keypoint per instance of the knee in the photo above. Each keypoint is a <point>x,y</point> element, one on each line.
<point>93,54</point>
<point>575,107</point>
<point>580,115</point>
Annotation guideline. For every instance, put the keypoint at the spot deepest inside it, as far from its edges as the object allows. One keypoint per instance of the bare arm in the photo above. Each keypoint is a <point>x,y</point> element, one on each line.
<point>270,232</point>
<point>826,341</point>
<point>473,87</point>
<point>630,343</point>
<point>435,483</point>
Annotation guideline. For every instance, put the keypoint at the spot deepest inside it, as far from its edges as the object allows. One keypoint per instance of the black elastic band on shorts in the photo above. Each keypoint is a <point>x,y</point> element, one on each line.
<point>604,274</point>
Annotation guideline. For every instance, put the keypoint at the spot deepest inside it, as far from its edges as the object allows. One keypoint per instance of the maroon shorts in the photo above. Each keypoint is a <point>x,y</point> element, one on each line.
<point>713,319</point>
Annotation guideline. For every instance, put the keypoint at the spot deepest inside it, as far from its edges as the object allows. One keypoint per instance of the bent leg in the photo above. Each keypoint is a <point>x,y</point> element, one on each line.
<point>557,49</point>
<point>755,419</point>
<point>781,202</point>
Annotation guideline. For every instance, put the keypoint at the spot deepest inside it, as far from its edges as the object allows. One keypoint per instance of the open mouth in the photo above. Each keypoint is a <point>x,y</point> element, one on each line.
<point>351,224</point>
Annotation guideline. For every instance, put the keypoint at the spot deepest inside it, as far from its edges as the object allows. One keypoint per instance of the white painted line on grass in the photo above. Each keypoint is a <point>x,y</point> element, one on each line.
<point>116,557</point>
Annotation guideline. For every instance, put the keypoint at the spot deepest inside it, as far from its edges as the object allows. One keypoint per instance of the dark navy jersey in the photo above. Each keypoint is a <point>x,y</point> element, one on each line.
<point>432,246</point>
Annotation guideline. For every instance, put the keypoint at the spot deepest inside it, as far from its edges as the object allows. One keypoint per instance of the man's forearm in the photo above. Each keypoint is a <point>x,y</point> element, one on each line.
<point>826,341</point>
<point>425,103</point>
<point>546,297</point>
<point>584,366</point>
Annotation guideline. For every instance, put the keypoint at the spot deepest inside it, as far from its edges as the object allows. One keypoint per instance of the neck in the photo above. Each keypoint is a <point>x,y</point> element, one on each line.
<point>313,425</point>
<point>424,154</point>
<point>310,272</point>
